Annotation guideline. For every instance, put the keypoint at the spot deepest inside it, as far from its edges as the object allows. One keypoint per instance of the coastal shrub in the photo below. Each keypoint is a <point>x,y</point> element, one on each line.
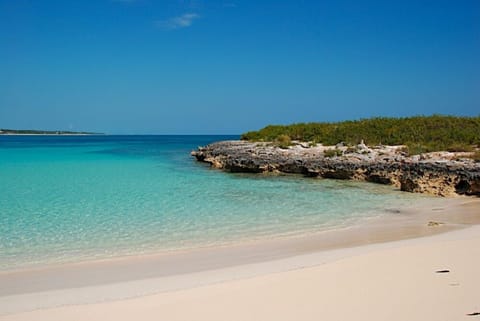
<point>404,149</point>
<point>460,148</point>
<point>419,133</point>
<point>420,148</point>
<point>283,141</point>
<point>332,153</point>
<point>415,148</point>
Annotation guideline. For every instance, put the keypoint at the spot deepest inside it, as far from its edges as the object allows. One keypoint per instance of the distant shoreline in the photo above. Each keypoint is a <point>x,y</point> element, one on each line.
<point>34,132</point>
<point>16,134</point>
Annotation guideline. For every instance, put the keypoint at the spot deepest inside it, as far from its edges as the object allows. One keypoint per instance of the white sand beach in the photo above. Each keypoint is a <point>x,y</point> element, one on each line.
<point>394,280</point>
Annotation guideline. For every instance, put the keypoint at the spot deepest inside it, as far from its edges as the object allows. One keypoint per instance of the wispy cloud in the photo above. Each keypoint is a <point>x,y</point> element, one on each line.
<point>178,22</point>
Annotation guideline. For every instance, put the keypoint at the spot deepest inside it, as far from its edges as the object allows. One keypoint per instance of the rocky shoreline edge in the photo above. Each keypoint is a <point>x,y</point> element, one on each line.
<point>438,173</point>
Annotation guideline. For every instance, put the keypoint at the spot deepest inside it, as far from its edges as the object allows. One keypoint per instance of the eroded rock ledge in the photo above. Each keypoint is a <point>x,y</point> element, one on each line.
<point>440,173</point>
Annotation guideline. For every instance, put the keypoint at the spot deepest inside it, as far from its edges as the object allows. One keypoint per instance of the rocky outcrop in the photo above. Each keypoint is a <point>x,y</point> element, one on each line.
<point>442,174</point>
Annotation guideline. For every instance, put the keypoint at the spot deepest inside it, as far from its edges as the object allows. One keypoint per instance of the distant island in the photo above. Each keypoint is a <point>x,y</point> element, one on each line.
<point>42,132</point>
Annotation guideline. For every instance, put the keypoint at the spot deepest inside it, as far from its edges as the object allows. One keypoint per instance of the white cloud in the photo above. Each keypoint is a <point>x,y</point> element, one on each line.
<point>182,21</point>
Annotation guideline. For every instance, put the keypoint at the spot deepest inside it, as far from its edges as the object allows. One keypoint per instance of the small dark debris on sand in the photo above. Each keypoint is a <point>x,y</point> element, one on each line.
<point>433,223</point>
<point>473,314</point>
<point>442,271</point>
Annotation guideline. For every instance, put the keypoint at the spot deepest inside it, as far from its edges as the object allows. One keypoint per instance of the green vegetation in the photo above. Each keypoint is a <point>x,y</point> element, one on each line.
<point>419,133</point>
<point>42,132</point>
<point>460,148</point>
<point>283,141</point>
<point>332,152</point>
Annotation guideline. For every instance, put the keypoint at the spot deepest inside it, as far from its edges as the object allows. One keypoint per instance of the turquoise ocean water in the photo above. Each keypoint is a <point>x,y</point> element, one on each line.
<point>73,198</point>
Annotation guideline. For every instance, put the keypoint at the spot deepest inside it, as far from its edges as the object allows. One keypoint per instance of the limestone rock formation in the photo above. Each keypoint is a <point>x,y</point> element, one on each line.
<point>442,173</point>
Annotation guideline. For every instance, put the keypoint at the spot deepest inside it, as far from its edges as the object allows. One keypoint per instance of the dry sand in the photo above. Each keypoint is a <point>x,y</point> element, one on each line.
<point>383,281</point>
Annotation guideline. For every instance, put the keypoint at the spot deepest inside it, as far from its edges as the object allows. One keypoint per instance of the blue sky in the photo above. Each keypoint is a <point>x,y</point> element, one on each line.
<point>213,67</point>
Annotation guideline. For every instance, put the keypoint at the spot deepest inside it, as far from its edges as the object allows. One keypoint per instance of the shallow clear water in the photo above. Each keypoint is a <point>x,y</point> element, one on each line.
<point>72,198</point>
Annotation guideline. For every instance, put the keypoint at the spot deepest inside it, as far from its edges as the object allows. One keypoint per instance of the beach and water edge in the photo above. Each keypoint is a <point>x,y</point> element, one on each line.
<point>123,227</point>
<point>439,233</point>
